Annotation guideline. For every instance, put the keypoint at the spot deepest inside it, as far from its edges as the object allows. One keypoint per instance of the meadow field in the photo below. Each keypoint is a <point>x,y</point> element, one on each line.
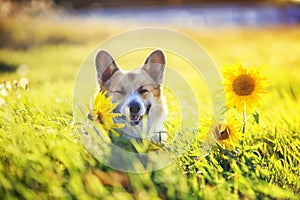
<point>42,156</point>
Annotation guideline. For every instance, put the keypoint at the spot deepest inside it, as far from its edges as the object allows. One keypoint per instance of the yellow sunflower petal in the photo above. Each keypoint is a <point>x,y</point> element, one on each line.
<point>103,111</point>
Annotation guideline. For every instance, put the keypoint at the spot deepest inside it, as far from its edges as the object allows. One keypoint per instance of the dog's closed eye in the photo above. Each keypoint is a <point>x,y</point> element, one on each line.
<point>120,92</point>
<point>142,91</point>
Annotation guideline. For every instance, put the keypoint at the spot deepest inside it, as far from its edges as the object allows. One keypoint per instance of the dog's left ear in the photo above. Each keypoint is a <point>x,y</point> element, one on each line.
<point>155,65</point>
<point>105,66</point>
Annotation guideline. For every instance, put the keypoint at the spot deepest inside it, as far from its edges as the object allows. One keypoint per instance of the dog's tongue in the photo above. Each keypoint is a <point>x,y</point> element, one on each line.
<point>134,117</point>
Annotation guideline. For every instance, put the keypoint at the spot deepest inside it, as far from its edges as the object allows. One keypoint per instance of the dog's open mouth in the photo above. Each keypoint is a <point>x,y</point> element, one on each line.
<point>132,119</point>
<point>135,119</point>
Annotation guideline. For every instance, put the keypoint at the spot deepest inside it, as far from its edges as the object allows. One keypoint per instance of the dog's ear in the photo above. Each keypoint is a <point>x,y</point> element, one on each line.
<point>105,66</point>
<point>155,65</point>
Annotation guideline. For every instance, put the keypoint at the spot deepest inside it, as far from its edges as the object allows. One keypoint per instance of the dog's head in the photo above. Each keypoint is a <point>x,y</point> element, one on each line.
<point>137,92</point>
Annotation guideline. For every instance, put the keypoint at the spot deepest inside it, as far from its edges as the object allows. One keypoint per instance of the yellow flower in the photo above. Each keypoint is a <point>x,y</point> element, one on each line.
<point>243,86</point>
<point>227,132</point>
<point>103,111</point>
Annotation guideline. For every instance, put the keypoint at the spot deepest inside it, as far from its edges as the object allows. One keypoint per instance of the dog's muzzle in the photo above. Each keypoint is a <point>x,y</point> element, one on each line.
<point>134,109</point>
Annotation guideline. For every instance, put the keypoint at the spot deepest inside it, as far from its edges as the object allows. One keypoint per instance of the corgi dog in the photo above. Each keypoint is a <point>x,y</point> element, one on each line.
<point>138,94</point>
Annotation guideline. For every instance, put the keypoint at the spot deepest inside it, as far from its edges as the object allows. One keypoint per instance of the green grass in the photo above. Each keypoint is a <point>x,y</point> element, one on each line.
<point>42,156</point>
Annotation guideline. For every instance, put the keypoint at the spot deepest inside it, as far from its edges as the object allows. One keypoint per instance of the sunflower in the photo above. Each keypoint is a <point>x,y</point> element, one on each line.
<point>243,86</point>
<point>103,111</point>
<point>227,132</point>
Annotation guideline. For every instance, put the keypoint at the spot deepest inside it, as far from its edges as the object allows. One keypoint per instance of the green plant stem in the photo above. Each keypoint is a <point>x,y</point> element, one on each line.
<point>244,119</point>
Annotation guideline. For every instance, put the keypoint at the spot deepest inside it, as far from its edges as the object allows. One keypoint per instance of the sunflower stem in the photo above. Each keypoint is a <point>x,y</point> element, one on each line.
<point>244,120</point>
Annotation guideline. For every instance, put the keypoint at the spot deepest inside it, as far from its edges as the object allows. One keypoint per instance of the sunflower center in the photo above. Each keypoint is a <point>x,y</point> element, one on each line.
<point>224,134</point>
<point>243,85</point>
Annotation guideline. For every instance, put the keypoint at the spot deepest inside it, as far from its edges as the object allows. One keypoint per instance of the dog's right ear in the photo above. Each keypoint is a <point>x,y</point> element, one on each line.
<point>105,66</point>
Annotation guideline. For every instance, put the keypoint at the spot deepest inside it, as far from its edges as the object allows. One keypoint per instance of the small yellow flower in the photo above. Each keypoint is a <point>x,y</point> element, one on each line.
<point>227,132</point>
<point>103,111</point>
<point>243,86</point>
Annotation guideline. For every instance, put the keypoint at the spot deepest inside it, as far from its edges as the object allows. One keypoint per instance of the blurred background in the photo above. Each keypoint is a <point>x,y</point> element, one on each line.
<point>182,14</point>
<point>190,13</point>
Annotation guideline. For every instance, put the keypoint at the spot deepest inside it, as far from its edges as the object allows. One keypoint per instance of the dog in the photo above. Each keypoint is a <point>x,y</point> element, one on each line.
<point>138,94</point>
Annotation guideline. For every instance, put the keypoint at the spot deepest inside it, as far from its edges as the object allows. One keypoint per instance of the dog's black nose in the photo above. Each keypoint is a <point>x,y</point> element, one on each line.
<point>134,107</point>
